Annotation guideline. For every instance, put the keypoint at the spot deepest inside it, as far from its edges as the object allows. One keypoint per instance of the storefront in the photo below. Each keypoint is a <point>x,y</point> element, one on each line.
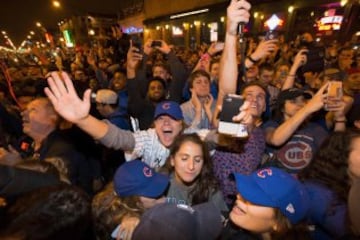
<point>206,23</point>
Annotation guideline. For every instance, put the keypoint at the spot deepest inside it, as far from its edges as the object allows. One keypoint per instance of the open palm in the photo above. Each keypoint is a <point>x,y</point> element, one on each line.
<point>64,98</point>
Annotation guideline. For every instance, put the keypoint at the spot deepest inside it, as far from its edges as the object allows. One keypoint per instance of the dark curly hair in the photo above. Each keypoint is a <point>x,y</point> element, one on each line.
<point>330,164</point>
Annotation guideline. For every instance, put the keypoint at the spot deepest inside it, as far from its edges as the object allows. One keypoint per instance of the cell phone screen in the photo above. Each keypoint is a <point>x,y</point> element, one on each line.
<point>230,107</point>
<point>334,94</point>
<point>156,43</point>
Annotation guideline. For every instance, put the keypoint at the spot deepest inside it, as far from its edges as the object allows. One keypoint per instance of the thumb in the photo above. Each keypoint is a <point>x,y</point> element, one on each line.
<point>87,95</point>
<point>245,106</point>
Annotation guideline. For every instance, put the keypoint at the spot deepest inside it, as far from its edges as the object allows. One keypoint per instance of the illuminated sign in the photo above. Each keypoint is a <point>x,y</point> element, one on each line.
<point>132,30</point>
<point>176,31</point>
<point>329,23</point>
<point>69,42</point>
<point>273,22</point>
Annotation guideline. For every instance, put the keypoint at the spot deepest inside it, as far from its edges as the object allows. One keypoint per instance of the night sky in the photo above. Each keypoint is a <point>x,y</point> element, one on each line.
<point>18,17</point>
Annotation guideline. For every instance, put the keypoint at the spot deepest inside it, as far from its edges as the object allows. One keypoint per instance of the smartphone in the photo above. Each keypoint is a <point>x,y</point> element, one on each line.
<point>315,60</point>
<point>334,94</point>
<point>230,108</point>
<point>136,42</point>
<point>271,35</point>
<point>156,43</point>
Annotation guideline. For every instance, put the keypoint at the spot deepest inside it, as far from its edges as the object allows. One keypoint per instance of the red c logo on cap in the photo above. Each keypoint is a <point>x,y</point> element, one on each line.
<point>264,173</point>
<point>166,106</point>
<point>147,172</point>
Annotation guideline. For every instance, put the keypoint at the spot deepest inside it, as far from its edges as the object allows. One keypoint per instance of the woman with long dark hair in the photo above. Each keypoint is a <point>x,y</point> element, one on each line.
<point>192,180</point>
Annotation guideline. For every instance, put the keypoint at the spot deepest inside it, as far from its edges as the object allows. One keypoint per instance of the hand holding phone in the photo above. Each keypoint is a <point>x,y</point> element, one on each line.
<point>230,108</point>
<point>334,95</point>
<point>156,43</point>
<point>271,35</point>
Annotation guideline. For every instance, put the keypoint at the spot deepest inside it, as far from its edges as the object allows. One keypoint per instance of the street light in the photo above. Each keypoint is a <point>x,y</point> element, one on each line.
<point>38,24</point>
<point>56,4</point>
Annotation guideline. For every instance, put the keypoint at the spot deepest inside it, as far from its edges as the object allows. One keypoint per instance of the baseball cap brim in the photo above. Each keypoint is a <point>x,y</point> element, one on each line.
<point>173,116</point>
<point>155,188</point>
<point>251,191</point>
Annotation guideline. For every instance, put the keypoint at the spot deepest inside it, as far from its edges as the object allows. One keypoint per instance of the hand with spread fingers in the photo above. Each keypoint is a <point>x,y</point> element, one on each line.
<point>64,98</point>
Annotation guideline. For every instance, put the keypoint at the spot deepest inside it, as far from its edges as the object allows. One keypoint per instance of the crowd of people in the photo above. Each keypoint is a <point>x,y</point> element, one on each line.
<point>121,141</point>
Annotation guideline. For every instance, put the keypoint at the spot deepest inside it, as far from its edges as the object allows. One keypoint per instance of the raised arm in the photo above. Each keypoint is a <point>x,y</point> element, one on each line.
<point>299,60</point>
<point>278,136</point>
<point>237,11</point>
<point>67,103</point>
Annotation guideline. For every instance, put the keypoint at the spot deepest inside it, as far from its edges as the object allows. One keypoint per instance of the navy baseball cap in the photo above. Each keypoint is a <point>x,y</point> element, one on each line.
<point>273,187</point>
<point>290,94</point>
<point>169,108</point>
<point>180,222</point>
<point>135,178</point>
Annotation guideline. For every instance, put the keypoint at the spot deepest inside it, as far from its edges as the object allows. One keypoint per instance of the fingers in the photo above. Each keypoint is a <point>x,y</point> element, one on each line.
<point>245,106</point>
<point>241,4</point>
<point>238,11</point>
<point>50,94</point>
<point>240,116</point>
<point>52,91</point>
<point>323,88</point>
<point>59,84</point>
<point>68,83</point>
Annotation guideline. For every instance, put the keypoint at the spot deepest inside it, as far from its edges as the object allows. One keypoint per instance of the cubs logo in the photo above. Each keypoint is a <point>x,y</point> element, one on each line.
<point>263,173</point>
<point>296,154</point>
<point>147,172</point>
<point>166,106</point>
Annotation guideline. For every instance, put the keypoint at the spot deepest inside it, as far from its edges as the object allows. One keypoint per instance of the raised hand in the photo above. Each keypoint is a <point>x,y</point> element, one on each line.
<point>244,116</point>
<point>317,101</point>
<point>264,49</point>
<point>300,58</point>
<point>64,98</point>
<point>237,11</point>
<point>147,47</point>
<point>164,48</point>
<point>133,56</point>
<point>215,47</point>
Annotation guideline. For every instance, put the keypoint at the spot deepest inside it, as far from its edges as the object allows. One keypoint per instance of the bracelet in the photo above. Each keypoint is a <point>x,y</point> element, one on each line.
<point>252,60</point>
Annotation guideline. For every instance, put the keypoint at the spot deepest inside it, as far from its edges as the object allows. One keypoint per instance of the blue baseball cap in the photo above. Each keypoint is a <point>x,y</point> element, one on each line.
<point>169,108</point>
<point>135,178</point>
<point>273,187</point>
